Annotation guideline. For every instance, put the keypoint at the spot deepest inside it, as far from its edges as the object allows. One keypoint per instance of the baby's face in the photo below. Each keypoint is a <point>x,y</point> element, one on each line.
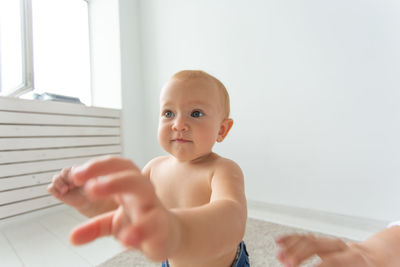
<point>191,114</point>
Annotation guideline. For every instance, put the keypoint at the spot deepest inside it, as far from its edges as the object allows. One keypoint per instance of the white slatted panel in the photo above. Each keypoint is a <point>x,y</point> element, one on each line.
<point>56,141</point>
<point>56,153</point>
<point>24,131</point>
<point>54,119</point>
<point>37,139</point>
<point>26,180</point>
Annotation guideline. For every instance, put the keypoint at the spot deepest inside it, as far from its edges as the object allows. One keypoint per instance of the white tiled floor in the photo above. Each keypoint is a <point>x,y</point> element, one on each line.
<point>42,239</point>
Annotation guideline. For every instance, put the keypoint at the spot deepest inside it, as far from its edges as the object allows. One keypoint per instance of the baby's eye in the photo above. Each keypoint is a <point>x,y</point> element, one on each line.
<point>197,114</point>
<point>168,114</point>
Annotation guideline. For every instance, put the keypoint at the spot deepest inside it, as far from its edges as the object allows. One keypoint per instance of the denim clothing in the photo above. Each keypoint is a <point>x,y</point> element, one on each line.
<point>241,259</point>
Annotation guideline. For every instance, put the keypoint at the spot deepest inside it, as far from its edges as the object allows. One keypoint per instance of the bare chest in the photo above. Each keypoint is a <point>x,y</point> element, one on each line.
<point>182,188</point>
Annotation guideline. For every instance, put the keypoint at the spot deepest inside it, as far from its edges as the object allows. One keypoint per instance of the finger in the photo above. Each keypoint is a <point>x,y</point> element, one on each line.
<point>345,258</point>
<point>150,235</point>
<point>288,240</point>
<point>60,183</point>
<point>132,236</point>
<point>63,181</point>
<point>100,167</point>
<point>138,190</point>
<point>97,227</point>
<point>142,229</point>
<point>287,244</point>
<point>309,245</point>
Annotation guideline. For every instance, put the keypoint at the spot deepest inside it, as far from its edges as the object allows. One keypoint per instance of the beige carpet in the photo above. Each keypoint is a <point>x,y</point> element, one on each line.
<point>259,240</point>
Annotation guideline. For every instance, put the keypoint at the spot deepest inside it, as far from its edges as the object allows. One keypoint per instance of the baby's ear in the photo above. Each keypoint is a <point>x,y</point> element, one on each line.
<point>224,129</point>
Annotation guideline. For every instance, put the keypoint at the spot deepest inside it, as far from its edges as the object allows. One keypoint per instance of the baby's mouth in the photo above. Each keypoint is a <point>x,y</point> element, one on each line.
<point>181,140</point>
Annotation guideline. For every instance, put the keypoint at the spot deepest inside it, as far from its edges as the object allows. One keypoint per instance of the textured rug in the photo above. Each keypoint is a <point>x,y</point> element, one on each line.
<point>259,239</point>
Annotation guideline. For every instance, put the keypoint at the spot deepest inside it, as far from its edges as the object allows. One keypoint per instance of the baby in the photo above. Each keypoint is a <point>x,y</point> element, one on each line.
<point>187,208</point>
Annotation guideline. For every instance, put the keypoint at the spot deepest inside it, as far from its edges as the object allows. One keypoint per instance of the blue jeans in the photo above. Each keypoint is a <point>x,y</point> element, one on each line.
<point>241,260</point>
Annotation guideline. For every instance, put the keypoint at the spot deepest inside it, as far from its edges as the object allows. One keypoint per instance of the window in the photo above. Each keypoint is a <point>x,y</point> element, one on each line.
<point>15,48</point>
<point>44,47</point>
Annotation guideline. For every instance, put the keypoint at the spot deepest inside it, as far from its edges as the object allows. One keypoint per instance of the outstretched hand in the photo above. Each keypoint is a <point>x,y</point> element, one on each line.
<point>63,188</point>
<point>296,248</point>
<point>140,221</point>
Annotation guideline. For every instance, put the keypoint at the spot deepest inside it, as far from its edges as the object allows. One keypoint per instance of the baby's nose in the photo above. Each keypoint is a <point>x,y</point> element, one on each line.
<point>180,124</point>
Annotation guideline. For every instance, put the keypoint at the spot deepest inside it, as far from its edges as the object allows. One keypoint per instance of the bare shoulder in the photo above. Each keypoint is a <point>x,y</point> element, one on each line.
<point>228,165</point>
<point>228,182</point>
<point>153,164</point>
<point>158,160</point>
<point>227,169</point>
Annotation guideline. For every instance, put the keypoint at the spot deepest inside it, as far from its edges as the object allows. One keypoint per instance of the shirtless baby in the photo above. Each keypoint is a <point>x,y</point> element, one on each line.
<point>187,208</point>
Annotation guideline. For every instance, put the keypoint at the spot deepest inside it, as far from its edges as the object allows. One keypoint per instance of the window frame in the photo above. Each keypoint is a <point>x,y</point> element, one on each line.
<point>26,53</point>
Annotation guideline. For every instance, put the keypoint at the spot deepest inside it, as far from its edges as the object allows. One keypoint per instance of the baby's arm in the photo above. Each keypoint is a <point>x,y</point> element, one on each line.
<point>142,222</point>
<point>218,227</point>
<point>381,249</point>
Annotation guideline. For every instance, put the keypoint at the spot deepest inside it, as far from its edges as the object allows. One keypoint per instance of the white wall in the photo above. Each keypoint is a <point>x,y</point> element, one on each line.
<point>314,88</point>
<point>105,53</point>
<point>116,68</point>
<point>133,93</point>
<point>314,91</point>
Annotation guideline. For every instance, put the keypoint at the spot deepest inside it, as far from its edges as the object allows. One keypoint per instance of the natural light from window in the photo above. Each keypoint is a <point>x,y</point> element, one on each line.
<point>61,59</point>
<point>61,48</point>
<point>10,45</point>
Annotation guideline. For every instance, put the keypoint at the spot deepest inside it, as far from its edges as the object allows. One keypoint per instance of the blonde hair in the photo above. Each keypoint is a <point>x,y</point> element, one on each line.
<point>199,74</point>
